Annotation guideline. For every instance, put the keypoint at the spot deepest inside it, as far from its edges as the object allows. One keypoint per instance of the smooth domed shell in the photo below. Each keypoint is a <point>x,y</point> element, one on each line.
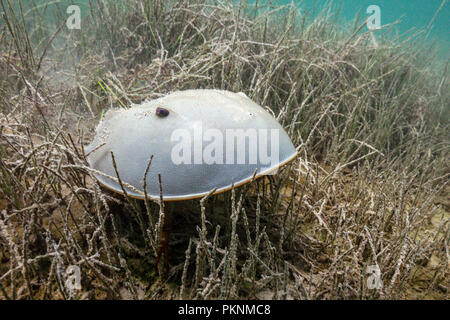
<point>158,128</point>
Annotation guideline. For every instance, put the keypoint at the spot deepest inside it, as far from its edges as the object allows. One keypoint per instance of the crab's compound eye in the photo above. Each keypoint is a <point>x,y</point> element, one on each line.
<point>161,112</point>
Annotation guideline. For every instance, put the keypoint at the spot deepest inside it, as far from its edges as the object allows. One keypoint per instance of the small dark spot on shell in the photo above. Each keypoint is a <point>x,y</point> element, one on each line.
<point>161,112</point>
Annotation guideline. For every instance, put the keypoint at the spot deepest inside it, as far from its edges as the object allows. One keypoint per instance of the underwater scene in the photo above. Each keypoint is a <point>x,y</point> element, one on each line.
<point>224,150</point>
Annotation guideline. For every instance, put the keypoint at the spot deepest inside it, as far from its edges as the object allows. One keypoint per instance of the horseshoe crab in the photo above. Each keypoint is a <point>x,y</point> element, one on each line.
<point>199,140</point>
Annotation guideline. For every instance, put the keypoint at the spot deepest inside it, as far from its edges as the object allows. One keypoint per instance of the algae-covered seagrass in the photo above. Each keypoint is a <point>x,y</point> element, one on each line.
<point>186,132</point>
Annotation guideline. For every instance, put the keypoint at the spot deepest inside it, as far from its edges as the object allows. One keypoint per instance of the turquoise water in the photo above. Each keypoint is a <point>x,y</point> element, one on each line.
<point>414,15</point>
